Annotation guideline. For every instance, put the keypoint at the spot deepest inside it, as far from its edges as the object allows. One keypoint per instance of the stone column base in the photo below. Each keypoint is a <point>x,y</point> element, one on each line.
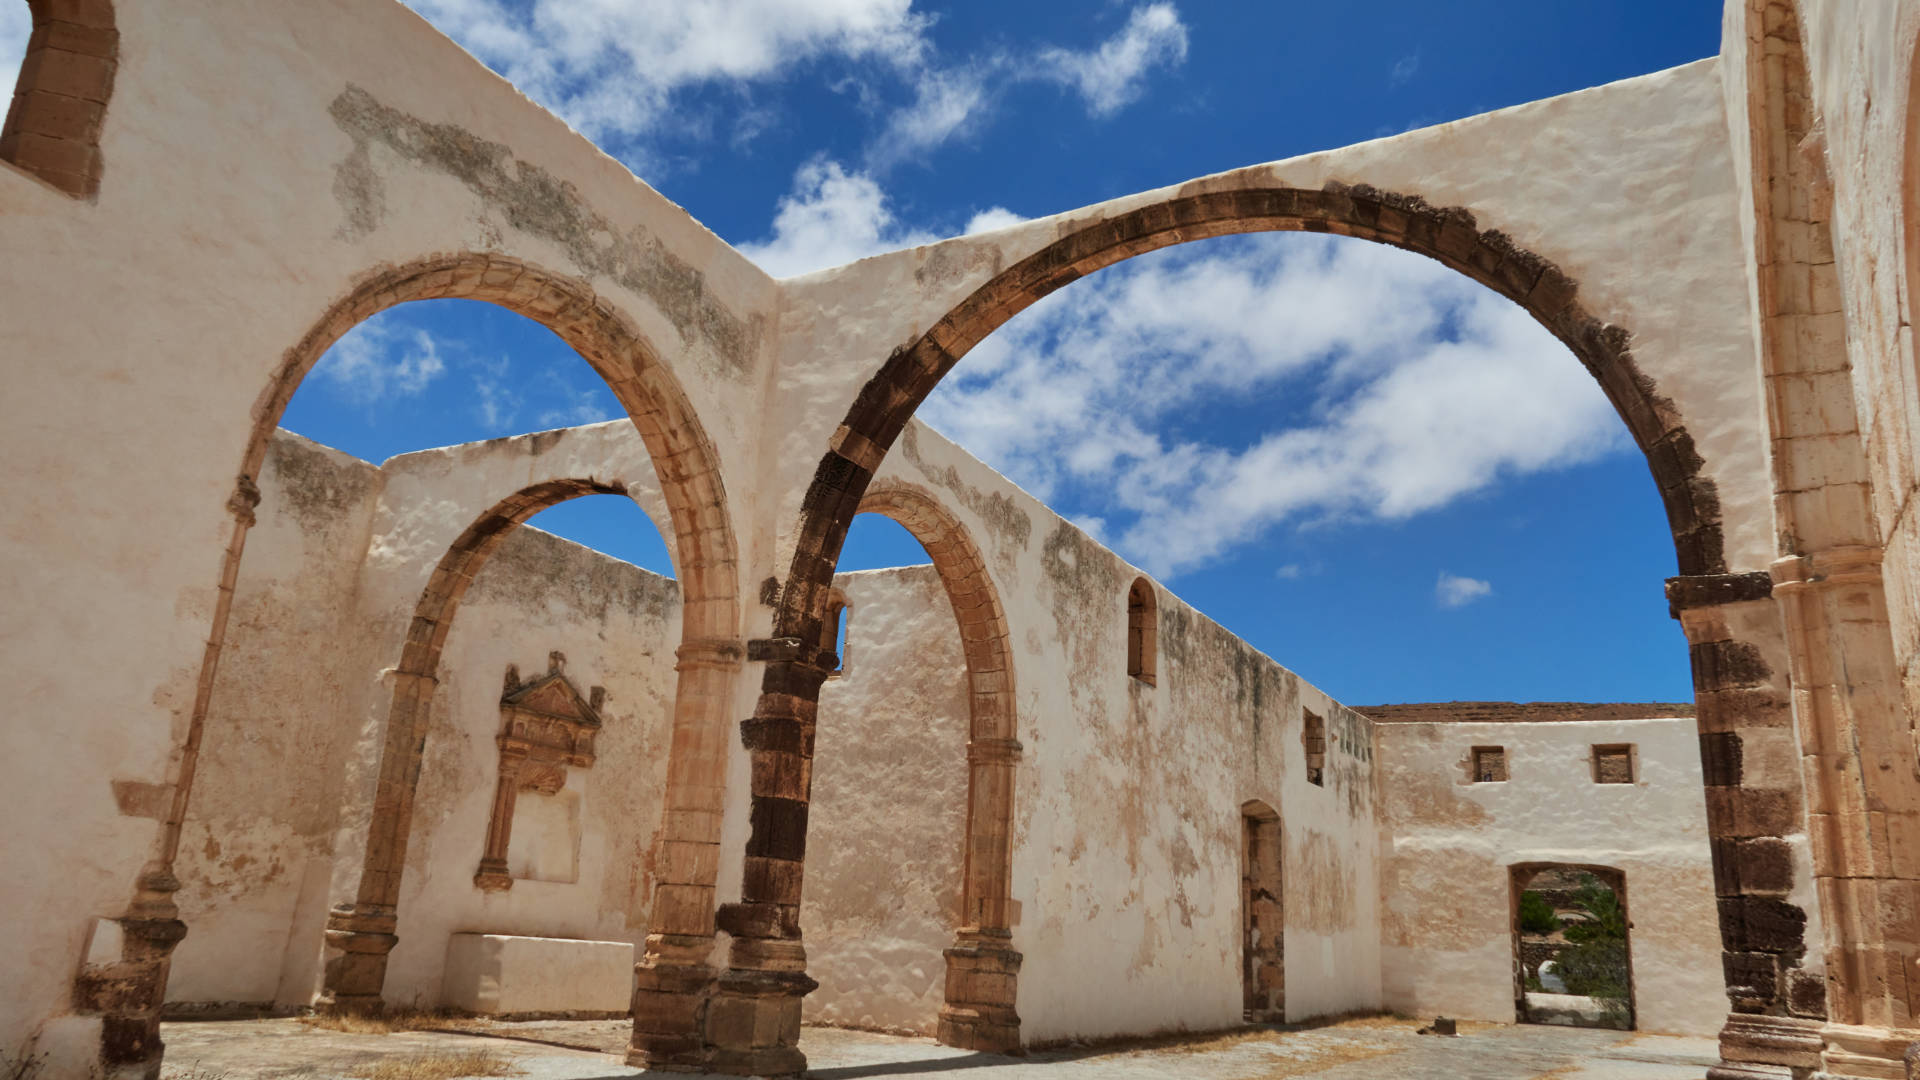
<point>982,979</point>
<point>356,969</point>
<point>753,1018</point>
<point>672,986</point>
<point>753,1023</point>
<point>127,994</point>
<point>1876,1053</point>
<point>1755,1047</point>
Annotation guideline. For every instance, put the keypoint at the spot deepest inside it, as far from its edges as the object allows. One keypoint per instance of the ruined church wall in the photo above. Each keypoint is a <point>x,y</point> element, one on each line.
<point>1127,809</point>
<point>277,825</point>
<point>256,847</point>
<point>1447,846</point>
<point>248,185</point>
<point>887,823</point>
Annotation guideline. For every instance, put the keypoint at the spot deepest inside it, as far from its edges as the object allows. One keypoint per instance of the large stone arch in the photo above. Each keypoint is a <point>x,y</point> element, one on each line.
<point>982,965</point>
<point>129,993</point>
<point>767,963</point>
<point>60,103</point>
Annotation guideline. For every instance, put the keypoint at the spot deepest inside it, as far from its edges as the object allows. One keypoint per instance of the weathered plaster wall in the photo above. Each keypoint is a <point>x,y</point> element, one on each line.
<point>259,159</point>
<point>1447,846</point>
<point>1127,810</point>
<point>256,848</point>
<point>336,565</point>
<point>887,828</point>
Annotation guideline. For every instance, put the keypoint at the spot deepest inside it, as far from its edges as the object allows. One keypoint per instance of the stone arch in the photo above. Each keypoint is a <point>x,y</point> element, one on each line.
<point>60,102</point>
<point>982,965</point>
<point>767,956</point>
<point>710,652</point>
<point>361,934</point>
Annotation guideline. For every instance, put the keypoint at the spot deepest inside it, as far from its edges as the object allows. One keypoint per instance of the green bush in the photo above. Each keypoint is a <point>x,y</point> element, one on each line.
<point>1536,915</point>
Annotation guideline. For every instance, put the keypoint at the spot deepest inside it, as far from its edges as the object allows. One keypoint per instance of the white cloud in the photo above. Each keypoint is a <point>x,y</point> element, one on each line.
<point>610,66</point>
<point>582,405</point>
<point>993,217</point>
<point>376,360</point>
<point>1410,387</point>
<point>1289,572</point>
<point>1403,69</point>
<point>1452,591</point>
<point>946,104</point>
<point>494,402</point>
<point>1110,75</point>
<point>833,217</point>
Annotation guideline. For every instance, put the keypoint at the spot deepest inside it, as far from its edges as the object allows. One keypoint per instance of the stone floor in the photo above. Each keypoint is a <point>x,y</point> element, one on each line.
<point>587,1050</point>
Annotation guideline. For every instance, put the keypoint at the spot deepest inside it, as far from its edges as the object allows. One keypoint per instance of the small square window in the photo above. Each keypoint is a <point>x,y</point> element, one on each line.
<point>1489,765</point>
<point>1613,764</point>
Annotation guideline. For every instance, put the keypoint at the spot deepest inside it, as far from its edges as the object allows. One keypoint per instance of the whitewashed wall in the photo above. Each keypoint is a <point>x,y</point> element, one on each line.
<point>1447,846</point>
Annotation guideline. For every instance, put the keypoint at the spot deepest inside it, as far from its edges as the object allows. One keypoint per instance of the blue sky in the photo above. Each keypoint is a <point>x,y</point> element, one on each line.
<point>1375,471</point>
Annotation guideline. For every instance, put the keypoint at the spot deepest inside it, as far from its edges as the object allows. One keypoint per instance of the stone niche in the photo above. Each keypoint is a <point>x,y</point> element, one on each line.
<point>546,737</point>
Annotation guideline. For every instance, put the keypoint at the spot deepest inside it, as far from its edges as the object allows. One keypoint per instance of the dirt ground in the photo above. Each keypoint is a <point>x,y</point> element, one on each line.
<point>591,1049</point>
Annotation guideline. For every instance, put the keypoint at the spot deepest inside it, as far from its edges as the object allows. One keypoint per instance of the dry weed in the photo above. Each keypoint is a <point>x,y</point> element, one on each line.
<point>391,1020</point>
<point>440,1065</point>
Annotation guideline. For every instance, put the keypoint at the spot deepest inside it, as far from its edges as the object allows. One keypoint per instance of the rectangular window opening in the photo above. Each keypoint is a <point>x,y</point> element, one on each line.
<point>1613,764</point>
<point>1313,739</point>
<point>1489,765</point>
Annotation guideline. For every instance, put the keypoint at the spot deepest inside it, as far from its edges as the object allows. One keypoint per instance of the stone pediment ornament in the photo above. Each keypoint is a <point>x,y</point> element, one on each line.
<point>546,726</point>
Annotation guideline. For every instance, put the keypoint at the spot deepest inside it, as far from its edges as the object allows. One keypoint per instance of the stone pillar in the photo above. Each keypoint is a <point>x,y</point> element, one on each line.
<point>753,1021</point>
<point>982,965</point>
<point>674,980</point>
<point>1863,796</point>
<point>1749,760</point>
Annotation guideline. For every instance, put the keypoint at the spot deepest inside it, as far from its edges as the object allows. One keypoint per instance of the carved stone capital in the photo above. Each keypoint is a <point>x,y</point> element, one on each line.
<point>1832,568</point>
<point>717,654</point>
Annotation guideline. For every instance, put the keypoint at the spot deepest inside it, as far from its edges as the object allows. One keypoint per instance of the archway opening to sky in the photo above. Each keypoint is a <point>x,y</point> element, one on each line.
<point>392,499</point>
<point>1384,475</point>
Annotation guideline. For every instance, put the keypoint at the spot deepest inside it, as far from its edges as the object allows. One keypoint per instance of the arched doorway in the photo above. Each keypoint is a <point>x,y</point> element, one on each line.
<point>1263,914</point>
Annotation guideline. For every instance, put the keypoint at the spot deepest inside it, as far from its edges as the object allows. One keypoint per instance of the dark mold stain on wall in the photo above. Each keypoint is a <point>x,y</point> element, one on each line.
<point>1011,526</point>
<point>318,487</point>
<point>538,203</point>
